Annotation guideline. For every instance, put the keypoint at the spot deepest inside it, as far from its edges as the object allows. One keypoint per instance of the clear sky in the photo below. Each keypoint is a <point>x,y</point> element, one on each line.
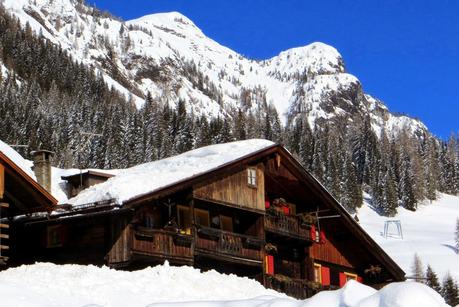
<point>405,53</point>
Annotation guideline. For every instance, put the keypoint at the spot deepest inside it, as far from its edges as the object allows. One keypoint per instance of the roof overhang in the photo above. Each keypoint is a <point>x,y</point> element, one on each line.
<point>23,190</point>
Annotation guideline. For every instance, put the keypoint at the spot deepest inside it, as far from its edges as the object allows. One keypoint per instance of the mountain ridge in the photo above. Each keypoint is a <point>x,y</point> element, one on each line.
<point>155,54</point>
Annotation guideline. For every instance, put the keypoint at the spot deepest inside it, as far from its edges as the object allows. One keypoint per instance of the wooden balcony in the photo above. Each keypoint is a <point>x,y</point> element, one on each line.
<point>287,225</point>
<point>162,244</point>
<point>219,243</point>
<point>298,288</point>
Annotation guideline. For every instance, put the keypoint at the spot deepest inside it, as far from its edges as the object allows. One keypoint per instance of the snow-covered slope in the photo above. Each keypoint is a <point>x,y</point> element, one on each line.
<point>51,285</point>
<point>429,232</point>
<point>168,55</point>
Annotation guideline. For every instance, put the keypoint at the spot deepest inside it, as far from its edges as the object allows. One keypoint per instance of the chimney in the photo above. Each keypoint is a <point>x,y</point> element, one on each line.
<point>42,167</point>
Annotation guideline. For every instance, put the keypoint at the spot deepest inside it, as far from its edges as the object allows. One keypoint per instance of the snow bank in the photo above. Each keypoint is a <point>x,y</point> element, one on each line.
<point>17,159</point>
<point>49,285</point>
<point>149,177</point>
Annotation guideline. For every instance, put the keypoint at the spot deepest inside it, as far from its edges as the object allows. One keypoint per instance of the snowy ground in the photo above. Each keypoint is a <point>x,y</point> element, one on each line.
<point>49,285</point>
<point>429,232</point>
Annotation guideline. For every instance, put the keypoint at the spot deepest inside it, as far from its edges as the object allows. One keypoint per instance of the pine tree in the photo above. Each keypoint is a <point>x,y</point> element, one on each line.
<point>450,291</point>
<point>406,184</point>
<point>417,269</point>
<point>306,146</point>
<point>432,279</point>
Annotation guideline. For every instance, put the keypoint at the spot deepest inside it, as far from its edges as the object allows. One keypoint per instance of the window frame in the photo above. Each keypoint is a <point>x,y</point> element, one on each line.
<point>54,236</point>
<point>228,219</point>
<point>252,177</point>
<point>350,276</point>
<point>198,211</point>
<point>179,222</point>
<point>318,269</point>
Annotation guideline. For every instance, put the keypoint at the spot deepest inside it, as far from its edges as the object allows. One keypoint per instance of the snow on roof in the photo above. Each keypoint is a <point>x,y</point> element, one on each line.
<point>149,177</point>
<point>17,159</point>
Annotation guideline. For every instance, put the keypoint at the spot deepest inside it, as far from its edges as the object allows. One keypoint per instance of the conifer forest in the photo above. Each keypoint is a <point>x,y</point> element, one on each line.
<point>51,102</point>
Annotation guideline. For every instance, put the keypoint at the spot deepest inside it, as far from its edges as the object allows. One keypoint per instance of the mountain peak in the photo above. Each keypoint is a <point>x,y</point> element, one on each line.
<point>315,58</point>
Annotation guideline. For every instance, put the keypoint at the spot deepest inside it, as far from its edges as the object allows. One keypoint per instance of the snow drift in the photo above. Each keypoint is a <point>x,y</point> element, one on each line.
<point>50,285</point>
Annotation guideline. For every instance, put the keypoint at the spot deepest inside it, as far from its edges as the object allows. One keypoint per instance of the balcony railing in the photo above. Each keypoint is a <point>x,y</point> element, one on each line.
<point>221,242</point>
<point>288,225</point>
<point>161,243</point>
<point>298,288</point>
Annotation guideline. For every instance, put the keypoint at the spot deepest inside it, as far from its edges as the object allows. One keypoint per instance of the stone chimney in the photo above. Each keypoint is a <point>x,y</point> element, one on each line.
<point>42,167</point>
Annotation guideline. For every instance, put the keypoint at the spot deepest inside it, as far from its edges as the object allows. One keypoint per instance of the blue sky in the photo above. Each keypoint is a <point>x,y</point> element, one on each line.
<point>405,53</point>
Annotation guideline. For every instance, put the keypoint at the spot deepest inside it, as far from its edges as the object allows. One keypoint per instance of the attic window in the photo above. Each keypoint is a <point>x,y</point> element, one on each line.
<point>252,177</point>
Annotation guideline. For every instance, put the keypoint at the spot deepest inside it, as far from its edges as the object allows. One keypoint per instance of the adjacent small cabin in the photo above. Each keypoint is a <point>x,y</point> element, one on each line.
<point>83,180</point>
<point>20,195</point>
<point>246,207</point>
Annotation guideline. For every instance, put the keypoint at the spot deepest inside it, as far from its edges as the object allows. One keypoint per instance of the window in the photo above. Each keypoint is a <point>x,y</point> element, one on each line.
<point>54,236</point>
<point>202,217</point>
<point>226,223</point>
<point>344,277</point>
<point>183,216</point>
<point>252,177</point>
<point>350,276</point>
<point>317,273</point>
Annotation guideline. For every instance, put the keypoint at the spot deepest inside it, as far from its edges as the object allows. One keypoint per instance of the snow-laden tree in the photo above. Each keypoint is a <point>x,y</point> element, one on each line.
<point>450,290</point>
<point>417,269</point>
<point>432,279</point>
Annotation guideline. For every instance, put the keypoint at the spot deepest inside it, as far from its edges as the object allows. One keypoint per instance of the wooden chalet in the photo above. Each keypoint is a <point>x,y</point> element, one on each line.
<point>261,215</point>
<point>20,195</point>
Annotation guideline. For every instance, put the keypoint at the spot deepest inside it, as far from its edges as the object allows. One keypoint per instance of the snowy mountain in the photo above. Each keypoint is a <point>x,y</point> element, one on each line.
<point>168,56</point>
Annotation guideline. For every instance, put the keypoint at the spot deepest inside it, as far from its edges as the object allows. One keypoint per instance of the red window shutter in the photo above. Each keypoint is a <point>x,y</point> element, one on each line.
<point>313,232</point>
<point>270,265</point>
<point>360,279</point>
<point>286,210</point>
<point>323,239</point>
<point>325,272</point>
<point>342,279</point>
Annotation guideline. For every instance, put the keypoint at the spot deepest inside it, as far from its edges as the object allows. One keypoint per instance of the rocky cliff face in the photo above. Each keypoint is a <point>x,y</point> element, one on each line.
<point>168,56</point>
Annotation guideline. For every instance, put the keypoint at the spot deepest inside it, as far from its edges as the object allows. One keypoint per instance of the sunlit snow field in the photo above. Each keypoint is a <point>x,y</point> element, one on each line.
<point>429,232</point>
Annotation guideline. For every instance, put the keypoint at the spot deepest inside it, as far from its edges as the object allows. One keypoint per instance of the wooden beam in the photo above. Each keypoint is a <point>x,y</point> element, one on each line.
<point>4,236</point>
<point>5,247</point>
<point>4,226</point>
<point>2,180</point>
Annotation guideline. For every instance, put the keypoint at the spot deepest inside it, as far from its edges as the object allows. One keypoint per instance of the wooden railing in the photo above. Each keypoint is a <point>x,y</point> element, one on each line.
<point>288,225</point>
<point>228,243</point>
<point>155,242</point>
<point>298,288</point>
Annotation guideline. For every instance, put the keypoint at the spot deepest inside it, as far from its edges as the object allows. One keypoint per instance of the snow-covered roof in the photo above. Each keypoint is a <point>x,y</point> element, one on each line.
<point>149,177</point>
<point>13,155</point>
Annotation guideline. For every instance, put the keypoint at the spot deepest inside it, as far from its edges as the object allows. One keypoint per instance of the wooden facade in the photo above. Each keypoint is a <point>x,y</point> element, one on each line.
<point>261,216</point>
<point>235,190</point>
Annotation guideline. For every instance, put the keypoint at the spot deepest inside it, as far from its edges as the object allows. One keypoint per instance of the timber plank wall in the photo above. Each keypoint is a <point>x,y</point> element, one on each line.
<point>234,189</point>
